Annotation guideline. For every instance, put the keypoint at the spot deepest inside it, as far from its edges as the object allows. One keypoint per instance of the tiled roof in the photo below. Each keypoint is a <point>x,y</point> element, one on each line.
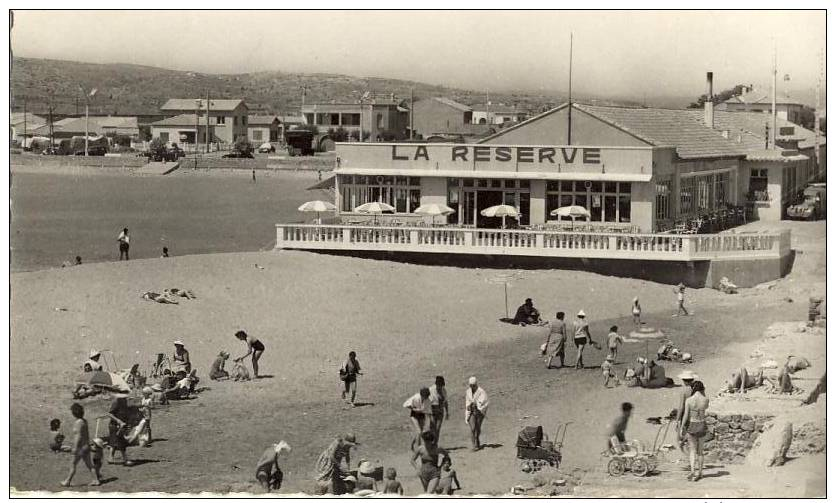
<point>16,118</point>
<point>754,123</point>
<point>261,120</point>
<point>185,120</point>
<point>669,128</point>
<point>291,119</point>
<point>96,125</point>
<point>188,104</point>
<point>455,104</point>
<point>498,109</point>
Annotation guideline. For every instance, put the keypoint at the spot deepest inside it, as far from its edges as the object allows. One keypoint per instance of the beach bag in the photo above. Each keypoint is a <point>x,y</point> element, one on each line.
<point>343,373</point>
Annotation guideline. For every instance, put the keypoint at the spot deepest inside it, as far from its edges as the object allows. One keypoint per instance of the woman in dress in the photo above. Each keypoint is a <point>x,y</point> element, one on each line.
<point>117,428</point>
<point>181,363</point>
<point>693,425</point>
<point>254,347</point>
<point>428,452</point>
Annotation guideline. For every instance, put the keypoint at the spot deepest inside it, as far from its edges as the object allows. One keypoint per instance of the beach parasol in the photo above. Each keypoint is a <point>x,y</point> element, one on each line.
<point>317,207</point>
<point>434,210</point>
<point>501,210</point>
<point>645,334</point>
<point>107,380</point>
<point>572,212</point>
<point>374,208</point>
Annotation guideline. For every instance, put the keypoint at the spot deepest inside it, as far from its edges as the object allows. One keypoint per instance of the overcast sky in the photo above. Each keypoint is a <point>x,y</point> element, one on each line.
<point>615,53</point>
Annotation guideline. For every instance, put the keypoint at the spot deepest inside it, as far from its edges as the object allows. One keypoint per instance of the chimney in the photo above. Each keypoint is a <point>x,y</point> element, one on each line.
<point>709,104</point>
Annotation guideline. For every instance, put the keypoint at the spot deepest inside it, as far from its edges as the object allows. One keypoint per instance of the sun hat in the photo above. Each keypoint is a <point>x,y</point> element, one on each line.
<point>179,343</point>
<point>156,387</point>
<point>99,442</point>
<point>581,314</point>
<point>366,468</point>
<point>610,358</point>
<point>350,478</point>
<point>688,374</point>
<point>349,438</point>
<point>472,380</point>
<point>94,353</point>
<point>147,390</point>
<point>282,446</point>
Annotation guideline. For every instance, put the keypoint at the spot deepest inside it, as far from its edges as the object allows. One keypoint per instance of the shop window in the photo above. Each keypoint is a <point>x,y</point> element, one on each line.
<point>358,190</point>
<point>567,186</point>
<point>257,135</point>
<point>624,208</point>
<point>663,200</point>
<point>164,137</point>
<point>525,184</point>
<point>510,184</point>
<point>611,187</point>
<point>496,183</point>
<point>483,183</point>
<point>552,186</point>
<point>624,188</point>
<point>468,182</point>
<point>596,187</point>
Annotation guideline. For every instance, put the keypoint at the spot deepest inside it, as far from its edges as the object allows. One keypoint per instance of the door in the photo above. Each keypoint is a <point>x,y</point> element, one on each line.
<point>486,199</point>
<point>469,208</point>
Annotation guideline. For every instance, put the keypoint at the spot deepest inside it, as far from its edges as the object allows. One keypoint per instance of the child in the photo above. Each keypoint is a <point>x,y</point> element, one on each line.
<point>264,469</point>
<point>97,455</point>
<point>56,438</point>
<point>679,290</point>
<point>80,446</point>
<point>217,372</point>
<point>613,340</point>
<point>448,476</point>
<point>393,486</point>
<point>607,371</point>
<point>637,312</point>
<point>146,406</point>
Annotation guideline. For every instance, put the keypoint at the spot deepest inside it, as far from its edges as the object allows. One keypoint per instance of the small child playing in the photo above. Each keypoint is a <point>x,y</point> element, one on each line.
<point>679,290</point>
<point>613,340</point>
<point>393,486</point>
<point>80,447</point>
<point>56,438</point>
<point>217,372</point>
<point>97,454</point>
<point>448,476</point>
<point>608,373</point>
<point>637,312</point>
<point>145,406</point>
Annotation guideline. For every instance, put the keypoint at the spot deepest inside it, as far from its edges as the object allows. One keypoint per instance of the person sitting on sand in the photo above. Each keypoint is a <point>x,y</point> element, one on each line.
<point>56,438</point>
<point>254,347</point>
<point>180,360</point>
<point>527,314</point>
<point>393,485</point>
<point>330,474</point>
<point>365,477</point>
<point>159,298</point>
<point>267,463</point>
<point>217,371</point>
<point>448,477</point>
<point>177,292</point>
<point>654,376</point>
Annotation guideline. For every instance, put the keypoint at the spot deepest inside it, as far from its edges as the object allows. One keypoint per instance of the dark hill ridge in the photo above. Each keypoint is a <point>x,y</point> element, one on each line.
<point>127,89</point>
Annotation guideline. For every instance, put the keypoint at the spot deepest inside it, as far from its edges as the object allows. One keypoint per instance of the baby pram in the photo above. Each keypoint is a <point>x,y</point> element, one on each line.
<point>634,456</point>
<point>536,450</point>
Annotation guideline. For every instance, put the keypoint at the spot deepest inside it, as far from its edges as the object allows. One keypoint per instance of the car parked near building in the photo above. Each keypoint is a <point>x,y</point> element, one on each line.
<point>813,206</point>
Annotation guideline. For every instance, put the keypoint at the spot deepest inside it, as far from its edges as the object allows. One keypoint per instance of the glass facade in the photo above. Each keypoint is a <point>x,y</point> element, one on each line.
<point>401,192</point>
<point>605,201</point>
<point>703,193</point>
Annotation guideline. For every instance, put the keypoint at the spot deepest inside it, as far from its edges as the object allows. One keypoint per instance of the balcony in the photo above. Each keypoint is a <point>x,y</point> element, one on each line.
<point>533,243</point>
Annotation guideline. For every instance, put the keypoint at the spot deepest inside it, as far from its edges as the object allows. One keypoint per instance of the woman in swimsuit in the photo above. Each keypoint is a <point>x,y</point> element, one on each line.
<point>254,347</point>
<point>428,452</point>
<point>693,424</point>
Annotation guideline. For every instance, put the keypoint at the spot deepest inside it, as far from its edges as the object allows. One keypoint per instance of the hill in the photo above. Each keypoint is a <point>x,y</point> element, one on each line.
<point>138,90</point>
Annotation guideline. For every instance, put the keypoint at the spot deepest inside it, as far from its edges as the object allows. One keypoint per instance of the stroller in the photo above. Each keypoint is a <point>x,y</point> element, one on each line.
<point>634,456</point>
<point>536,450</point>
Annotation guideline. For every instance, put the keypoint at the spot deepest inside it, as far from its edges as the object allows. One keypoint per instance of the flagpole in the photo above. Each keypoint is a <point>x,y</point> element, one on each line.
<point>569,128</point>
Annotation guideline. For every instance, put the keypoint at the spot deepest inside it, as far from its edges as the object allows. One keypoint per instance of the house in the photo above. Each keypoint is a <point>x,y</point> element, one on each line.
<point>263,128</point>
<point>228,118</point>
<point>98,126</point>
<point>497,114</point>
<point>383,119</point>
<point>22,125</point>
<point>756,101</point>
<point>439,118</point>
<point>187,129</point>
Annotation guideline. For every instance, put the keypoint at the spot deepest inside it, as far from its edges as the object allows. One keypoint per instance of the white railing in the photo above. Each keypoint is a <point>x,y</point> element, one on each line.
<point>545,243</point>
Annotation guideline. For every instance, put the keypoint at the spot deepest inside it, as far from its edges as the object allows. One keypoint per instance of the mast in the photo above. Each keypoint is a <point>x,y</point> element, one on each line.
<point>774,93</point>
<point>569,129</point>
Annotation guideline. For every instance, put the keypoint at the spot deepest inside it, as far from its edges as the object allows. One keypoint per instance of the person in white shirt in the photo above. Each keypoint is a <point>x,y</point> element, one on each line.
<point>420,411</point>
<point>679,290</point>
<point>124,244</point>
<point>438,402</point>
<point>475,407</point>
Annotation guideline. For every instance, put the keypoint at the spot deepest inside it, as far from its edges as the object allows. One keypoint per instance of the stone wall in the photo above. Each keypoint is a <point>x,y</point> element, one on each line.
<point>731,436</point>
<point>125,161</point>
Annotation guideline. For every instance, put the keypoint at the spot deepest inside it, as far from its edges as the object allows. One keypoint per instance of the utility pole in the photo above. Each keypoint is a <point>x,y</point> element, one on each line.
<point>208,106</point>
<point>774,93</point>
<point>569,121</point>
<point>411,113</point>
<point>487,109</point>
<point>51,131</point>
<point>86,124</point>
<point>24,127</point>
<point>197,129</point>
<point>817,115</point>
<point>304,89</point>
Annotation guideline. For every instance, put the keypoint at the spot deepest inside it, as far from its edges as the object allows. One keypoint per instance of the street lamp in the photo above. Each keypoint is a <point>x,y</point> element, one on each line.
<point>197,106</point>
<point>87,98</point>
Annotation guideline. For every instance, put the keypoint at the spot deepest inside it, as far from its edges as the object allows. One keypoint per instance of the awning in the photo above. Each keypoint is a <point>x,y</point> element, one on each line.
<point>518,175</point>
<point>328,183</point>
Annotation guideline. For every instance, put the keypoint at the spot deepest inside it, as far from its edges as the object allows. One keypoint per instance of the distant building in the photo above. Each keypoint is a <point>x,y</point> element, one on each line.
<point>497,114</point>
<point>22,126</point>
<point>187,129</point>
<point>228,118</point>
<point>755,101</point>
<point>263,128</point>
<point>379,119</point>
<point>96,126</point>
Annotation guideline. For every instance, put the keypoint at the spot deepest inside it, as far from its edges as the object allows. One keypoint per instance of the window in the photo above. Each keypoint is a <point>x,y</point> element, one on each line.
<point>786,131</point>
<point>164,137</point>
<point>702,193</point>
<point>243,120</point>
<point>404,193</point>
<point>220,120</point>
<point>606,201</point>
<point>351,119</point>
<point>257,134</point>
<point>379,121</point>
<point>663,200</point>
<point>234,120</point>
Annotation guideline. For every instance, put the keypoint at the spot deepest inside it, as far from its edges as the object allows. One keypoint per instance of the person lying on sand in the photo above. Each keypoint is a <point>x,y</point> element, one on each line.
<point>160,298</point>
<point>742,380</point>
<point>527,314</point>
<point>654,376</point>
<point>176,292</point>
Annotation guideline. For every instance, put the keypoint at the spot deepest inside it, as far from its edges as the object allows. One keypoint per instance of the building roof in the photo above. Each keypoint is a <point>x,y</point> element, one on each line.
<point>498,109</point>
<point>96,125</point>
<point>16,118</point>
<point>184,120</point>
<point>261,120</point>
<point>188,104</point>
<point>454,104</point>
<point>760,99</point>
<point>755,123</point>
<point>291,119</point>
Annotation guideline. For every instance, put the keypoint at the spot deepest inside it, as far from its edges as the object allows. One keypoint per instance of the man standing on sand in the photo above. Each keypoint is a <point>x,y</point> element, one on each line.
<point>557,328</point>
<point>581,336</point>
<point>475,407</point>
<point>348,373</point>
<point>81,447</point>
<point>124,244</point>
<point>688,377</point>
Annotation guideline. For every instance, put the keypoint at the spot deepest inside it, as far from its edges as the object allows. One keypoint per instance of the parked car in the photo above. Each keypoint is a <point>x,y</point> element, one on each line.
<point>266,148</point>
<point>813,206</point>
<point>299,142</point>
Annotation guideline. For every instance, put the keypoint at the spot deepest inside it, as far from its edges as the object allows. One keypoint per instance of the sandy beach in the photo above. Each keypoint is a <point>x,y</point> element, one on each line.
<point>407,323</point>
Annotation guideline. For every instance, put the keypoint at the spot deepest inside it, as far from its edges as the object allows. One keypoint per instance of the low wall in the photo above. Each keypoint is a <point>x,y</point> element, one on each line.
<point>221,163</point>
<point>731,436</point>
<point>749,272</point>
<point>127,161</point>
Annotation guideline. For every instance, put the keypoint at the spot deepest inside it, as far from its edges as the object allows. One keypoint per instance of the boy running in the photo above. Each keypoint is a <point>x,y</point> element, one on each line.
<point>81,446</point>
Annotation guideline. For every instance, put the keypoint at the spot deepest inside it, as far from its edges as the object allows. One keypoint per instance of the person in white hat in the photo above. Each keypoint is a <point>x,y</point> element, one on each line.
<point>269,460</point>
<point>180,359</point>
<point>607,371</point>
<point>93,364</point>
<point>581,337</point>
<point>330,474</point>
<point>637,312</point>
<point>475,408</point>
<point>688,377</point>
